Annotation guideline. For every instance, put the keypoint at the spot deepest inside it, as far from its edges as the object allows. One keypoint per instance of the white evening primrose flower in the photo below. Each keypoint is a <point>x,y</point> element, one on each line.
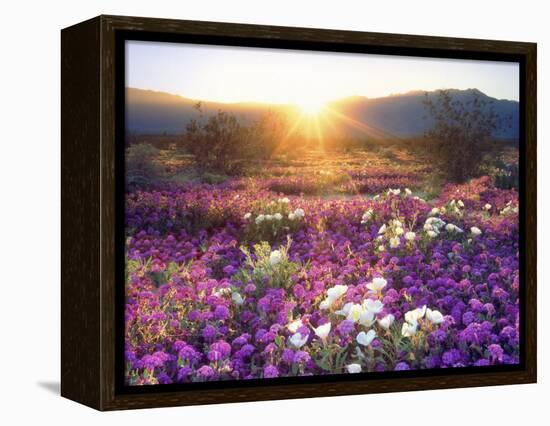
<point>487,207</point>
<point>277,216</point>
<point>475,231</point>
<point>432,234</point>
<point>284,200</point>
<point>294,325</point>
<point>355,312</point>
<point>275,257</point>
<point>386,322</point>
<point>408,330</point>
<point>374,306</point>
<point>291,216</point>
<point>247,216</point>
<point>299,213</point>
<point>396,223</point>
<point>410,236</point>
<point>322,331</point>
<point>237,298</point>
<point>377,284</point>
<point>260,219</point>
<point>353,368</point>
<point>421,311</point>
<point>394,242</point>
<point>366,339</point>
<point>297,340</point>
<point>268,217</point>
<point>435,211</point>
<point>382,229</point>
<point>460,203</point>
<point>337,291</point>
<point>408,191</point>
<point>345,309</point>
<point>381,248</point>
<point>414,315</point>
<point>435,317</point>
<point>399,231</point>
<point>366,318</point>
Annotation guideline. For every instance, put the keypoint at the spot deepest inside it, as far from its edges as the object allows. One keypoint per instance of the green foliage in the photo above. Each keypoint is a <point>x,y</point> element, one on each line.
<point>159,278</point>
<point>266,268</point>
<point>141,168</point>
<point>331,357</point>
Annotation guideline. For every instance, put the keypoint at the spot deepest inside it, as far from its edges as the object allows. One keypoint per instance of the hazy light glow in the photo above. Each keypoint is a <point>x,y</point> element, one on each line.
<point>307,79</point>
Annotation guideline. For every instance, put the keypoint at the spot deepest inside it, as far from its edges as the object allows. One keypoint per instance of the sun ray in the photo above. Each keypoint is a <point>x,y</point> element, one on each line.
<point>369,130</point>
<point>290,132</point>
<point>319,132</point>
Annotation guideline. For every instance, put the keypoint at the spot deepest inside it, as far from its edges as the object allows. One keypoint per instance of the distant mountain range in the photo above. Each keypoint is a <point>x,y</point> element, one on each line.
<point>401,116</point>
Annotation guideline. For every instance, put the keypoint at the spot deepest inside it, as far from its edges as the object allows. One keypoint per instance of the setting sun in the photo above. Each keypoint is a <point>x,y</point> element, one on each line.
<point>311,106</point>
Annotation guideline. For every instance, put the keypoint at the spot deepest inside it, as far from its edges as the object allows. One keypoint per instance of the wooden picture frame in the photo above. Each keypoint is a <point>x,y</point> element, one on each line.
<point>91,67</point>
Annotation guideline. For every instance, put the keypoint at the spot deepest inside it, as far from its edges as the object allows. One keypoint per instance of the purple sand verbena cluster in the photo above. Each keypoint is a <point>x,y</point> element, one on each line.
<point>238,281</point>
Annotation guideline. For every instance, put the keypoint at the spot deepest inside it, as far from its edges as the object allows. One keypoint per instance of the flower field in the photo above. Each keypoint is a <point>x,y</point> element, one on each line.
<point>314,267</point>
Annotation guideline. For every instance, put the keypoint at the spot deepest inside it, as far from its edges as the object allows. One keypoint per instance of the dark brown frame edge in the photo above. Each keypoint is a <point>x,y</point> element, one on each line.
<point>88,214</point>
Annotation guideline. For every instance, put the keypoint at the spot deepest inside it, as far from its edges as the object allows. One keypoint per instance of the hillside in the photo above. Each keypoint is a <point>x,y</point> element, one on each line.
<point>404,115</point>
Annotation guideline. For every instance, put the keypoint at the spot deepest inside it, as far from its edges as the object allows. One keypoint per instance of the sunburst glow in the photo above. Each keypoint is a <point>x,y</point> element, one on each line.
<point>311,106</point>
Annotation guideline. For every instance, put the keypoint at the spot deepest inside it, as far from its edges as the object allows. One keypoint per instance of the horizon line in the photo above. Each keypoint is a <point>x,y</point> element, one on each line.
<point>290,103</point>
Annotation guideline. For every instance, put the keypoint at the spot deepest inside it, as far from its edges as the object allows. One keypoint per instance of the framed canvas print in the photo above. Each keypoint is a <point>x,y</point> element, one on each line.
<point>254,212</point>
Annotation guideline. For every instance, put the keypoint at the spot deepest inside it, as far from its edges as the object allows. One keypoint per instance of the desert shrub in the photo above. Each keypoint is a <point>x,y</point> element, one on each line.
<point>141,169</point>
<point>461,136</point>
<point>222,144</point>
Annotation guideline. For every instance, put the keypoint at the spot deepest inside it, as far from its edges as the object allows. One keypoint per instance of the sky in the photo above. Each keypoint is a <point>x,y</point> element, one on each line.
<point>244,74</point>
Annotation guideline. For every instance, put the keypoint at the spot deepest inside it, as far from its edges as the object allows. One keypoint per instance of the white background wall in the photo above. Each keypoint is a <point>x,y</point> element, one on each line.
<point>30,212</point>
